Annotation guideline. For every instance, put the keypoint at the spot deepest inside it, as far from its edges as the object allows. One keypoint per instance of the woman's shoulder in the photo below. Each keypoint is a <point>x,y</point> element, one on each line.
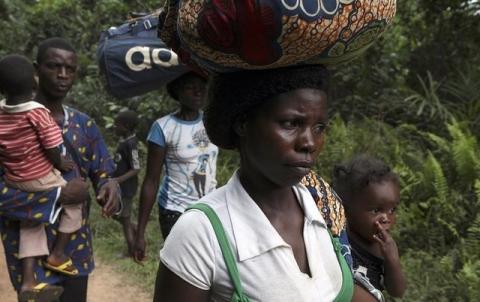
<point>194,225</point>
<point>216,200</point>
<point>195,221</point>
<point>190,248</point>
<point>319,188</point>
<point>327,201</point>
<point>315,181</point>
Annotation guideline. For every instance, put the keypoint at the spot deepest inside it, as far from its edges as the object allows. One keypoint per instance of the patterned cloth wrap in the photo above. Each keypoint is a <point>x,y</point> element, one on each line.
<point>229,35</point>
<point>94,162</point>
<point>332,210</point>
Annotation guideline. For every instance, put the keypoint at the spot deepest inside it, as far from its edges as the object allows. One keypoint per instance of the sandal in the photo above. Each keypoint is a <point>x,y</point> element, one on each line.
<point>42,292</point>
<point>65,268</point>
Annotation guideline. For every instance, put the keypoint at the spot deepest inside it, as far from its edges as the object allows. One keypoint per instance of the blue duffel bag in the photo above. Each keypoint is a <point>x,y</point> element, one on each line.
<point>134,60</point>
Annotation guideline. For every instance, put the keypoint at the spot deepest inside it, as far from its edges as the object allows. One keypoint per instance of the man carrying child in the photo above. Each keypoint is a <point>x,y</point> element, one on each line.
<point>32,160</point>
<point>56,67</point>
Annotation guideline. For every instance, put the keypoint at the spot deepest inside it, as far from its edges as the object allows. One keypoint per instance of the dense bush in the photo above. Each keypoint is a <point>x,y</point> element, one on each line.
<point>413,99</point>
<point>438,227</point>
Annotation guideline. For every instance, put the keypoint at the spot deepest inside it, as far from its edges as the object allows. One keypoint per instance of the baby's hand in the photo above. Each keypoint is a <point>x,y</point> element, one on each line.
<point>394,280</point>
<point>66,164</point>
<point>388,247</point>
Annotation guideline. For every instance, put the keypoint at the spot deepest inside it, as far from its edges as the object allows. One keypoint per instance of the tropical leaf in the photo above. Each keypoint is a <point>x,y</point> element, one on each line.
<point>465,153</point>
<point>468,281</point>
<point>427,101</point>
<point>472,241</point>
<point>464,91</point>
<point>435,177</point>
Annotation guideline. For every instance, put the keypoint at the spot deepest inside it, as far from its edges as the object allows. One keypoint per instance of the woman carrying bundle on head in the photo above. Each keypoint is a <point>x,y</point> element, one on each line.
<point>261,236</point>
<point>280,244</point>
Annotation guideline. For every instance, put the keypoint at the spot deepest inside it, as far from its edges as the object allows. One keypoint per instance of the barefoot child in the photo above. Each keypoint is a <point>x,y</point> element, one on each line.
<point>128,166</point>
<point>370,193</point>
<point>31,158</point>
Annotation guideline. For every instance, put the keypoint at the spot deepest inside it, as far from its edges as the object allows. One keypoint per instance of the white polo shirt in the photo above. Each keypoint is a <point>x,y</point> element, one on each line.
<point>266,263</point>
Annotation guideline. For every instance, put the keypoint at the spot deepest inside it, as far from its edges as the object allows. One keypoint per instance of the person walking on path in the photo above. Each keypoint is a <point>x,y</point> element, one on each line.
<point>179,143</point>
<point>30,153</point>
<point>126,171</point>
<point>56,65</point>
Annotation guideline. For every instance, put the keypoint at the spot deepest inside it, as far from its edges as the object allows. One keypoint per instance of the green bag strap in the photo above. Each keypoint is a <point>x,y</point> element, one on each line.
<point>346,291</point>
<point>225,247</point>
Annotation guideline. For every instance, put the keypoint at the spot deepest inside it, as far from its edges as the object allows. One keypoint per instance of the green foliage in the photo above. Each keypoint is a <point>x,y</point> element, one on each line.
<point>434,178</point>
<point>472,240</point>
<point>413,99</point>
<point>438,229</point>
<point>228,161</point>
<point>464,92</point>
<point>428,102</point>
<point>465,153</point>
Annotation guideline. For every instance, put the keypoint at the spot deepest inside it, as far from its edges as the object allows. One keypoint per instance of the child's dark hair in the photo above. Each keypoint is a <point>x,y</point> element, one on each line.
<point>128,118</point>
<point>174,86</point>
<point>352,177</point>
<point>54,42</point>
<point>16,75</point>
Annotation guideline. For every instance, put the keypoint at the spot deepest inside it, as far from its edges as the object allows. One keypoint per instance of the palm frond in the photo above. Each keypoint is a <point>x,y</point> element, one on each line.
<point>427,101</point>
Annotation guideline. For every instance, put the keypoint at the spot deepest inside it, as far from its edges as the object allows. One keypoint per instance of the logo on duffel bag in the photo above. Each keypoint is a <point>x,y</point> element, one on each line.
<point>162,57</point>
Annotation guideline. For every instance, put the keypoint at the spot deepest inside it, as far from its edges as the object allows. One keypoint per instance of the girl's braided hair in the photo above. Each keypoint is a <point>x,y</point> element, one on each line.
<point>236,94</point>
<point>354,176</point>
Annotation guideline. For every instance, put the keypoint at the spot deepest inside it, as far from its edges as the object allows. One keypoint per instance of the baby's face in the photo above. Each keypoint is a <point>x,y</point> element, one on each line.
<point>377,202</point>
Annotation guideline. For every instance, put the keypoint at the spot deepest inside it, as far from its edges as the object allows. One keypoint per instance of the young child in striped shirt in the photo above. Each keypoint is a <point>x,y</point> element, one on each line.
<point>31,158</point>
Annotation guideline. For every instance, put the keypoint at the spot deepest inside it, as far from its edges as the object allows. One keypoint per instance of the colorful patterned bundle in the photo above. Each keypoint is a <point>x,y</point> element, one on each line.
<point>227,35</point>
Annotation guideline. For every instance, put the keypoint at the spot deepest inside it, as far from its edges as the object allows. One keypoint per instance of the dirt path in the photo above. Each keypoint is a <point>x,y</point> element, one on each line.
<point>7,293</point>
<point>105,285</point>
